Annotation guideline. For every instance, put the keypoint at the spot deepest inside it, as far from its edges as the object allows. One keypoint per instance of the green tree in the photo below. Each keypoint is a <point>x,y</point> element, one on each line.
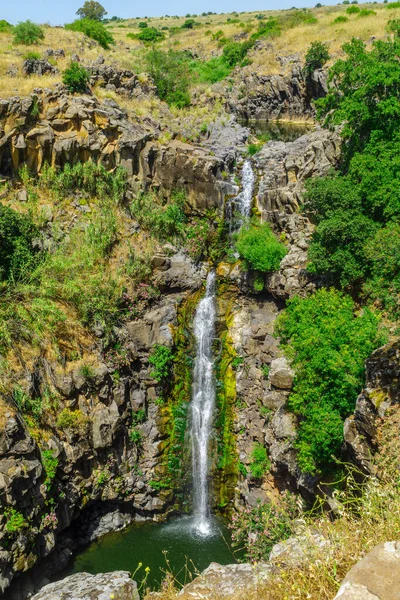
<point>317,56</point>
<point>328,344</point>
<point>92,10</point>
<point>17,252</point>
<point>27,33</point>
<point>171,75</point>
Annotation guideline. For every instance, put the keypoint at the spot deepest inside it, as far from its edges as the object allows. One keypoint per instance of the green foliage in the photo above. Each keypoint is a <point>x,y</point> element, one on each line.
<point>5,26</point>
<point>393,5</point>
<point>383,255</point>
<point>252,149</point>
<point>136,436</point>
<point>366,12</point>
<point>393,26</point>
<point>171,75</point>
<point>317,56</point>
<point>142,25</point>
<point>72,420</point>
<point>327,344</point>
<point>340,19</point>
<point>161,358</point>
<point>260,464</point>
<point>76,78</point>
<point>265,371</point>
<point>165,221</point>
<point>17,253</point>
<point>138,416</point>
<point>189,24</point>
<point>352,10</point>
<point>148,35</point>
<point>27,33</point>
<point>160,484</point>
<point>32,55</point>
<point>28,405</point>
<point>256,530</point>
<point>87,371</point>
<point>258,246</point>
<point>94,30</point>
<point>15,521</point>
<point>92,10</point>
<point>234,52</point>
<point>50,464</point>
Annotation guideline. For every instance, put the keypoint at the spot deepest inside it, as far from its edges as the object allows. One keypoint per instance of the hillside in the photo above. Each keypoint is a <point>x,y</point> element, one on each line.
<point>199,301</point>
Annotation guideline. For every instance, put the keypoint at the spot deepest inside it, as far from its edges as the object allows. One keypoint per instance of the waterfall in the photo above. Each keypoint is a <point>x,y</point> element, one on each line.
<point>241,204</point>
<point>202,405</point>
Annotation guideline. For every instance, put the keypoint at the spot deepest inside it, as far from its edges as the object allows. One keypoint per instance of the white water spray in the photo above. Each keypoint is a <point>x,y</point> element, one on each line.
<point>202,406</point>
<point>241,204</point>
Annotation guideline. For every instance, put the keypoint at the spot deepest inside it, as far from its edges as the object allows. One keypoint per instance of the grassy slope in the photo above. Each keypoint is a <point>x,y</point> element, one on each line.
<point>198,40</point>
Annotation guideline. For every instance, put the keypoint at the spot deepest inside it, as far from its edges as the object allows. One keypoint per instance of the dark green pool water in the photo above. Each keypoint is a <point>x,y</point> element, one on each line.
<point>152,544</point>
<point>283,131</point>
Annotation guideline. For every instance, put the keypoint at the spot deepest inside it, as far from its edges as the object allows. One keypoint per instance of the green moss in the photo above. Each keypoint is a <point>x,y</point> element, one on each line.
<point>227,464</point>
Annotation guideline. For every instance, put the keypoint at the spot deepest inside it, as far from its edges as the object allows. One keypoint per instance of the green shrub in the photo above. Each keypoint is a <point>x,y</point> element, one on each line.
<point>252,149</point>
<point>393,26</point>
<point>189,24</point>
<point>32,55</point>
<point>340,19</point>
<point>5,27</point>
<point>50,464</point>
<point>171,75</point>
<point>352,10</point>
<point>265,371</point>
<point>317,56</point>
<point>139,416</point>
<point>73,420</point>
<point>94,30</point>
<point>87,372</point>
<point>27,33</point>
<point>136,436</point>
<point>142,25</point>
<point>76,78</point>
<point>149,35</point>
<point>366,12</point>
<point>393,5</point>
<point>165,221</point>
<point>18,256</point>
<point>15,520</point>
<point>328,345</point>
<point>258,246</point>
<point>28,405</point>
<point>260,464</point>
<point>161,358</point>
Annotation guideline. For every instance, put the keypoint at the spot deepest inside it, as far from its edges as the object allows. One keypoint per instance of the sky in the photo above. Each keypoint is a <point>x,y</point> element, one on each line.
<point>58,12</point>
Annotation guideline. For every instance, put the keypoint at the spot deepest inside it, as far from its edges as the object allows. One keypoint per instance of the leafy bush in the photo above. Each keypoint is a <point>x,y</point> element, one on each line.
<point>393,5</point>
<point>259,247</point>
<point>171,75</point>
<point>50,464</point>
<point>340,19</point>
<point>17,253</point>
<point>15,520</point>
<point>366,12</point>
<point>166,221</point>
<point>256,530</point>
<point>92,10</point>
<point>136,436</point>
<point>142,25</point>
<point>316,57</point>
<point>234,52</point>
<point>5,26</point>
<point>260,464</point>
<point>327,344</point>
<point>352,10</point>
<point>27,33</point>
<point>76,78</point>
<point>149,34</point>
<point>393,26</point>
<point>28,405</point>
<point>161,358</point>
<point>73,420</point>
<point>94,30</point>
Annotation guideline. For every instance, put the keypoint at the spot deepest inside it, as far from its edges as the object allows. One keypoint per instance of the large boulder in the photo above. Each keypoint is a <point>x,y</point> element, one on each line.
<point>281,374</point>
<point>117,585</point>
<point>375,577</point>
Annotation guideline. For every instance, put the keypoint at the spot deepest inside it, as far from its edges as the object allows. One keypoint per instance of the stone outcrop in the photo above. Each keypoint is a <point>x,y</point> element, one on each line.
<point>382,390</point>
<point>59,129</point>
<point>374,577</point>
<point>267,97</point>
<point>33,66</point>
<point>117,585</point>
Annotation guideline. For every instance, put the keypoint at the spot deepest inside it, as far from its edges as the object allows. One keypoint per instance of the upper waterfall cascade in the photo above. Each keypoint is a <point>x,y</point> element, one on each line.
<point>241,204</point>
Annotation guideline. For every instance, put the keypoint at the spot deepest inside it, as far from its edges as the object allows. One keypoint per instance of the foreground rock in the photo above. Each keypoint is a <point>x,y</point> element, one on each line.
<point>117,585</point>
<point>382,390</point>
<point>375,577</point>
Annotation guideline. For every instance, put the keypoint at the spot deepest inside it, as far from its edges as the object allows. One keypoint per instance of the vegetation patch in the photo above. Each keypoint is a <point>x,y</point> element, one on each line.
<point>258,246</point>
<point>93,29</point>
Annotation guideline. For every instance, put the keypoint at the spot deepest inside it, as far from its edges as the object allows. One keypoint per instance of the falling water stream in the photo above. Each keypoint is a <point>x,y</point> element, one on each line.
<point>240,206</point>
<point>202,406</point>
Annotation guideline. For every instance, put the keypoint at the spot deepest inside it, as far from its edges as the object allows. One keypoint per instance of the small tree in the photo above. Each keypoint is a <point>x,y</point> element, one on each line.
<point>92,10</point>
<point>28,33</point>
<point>93,29</point>
<point>317,56</point>
<point>76,78</point>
